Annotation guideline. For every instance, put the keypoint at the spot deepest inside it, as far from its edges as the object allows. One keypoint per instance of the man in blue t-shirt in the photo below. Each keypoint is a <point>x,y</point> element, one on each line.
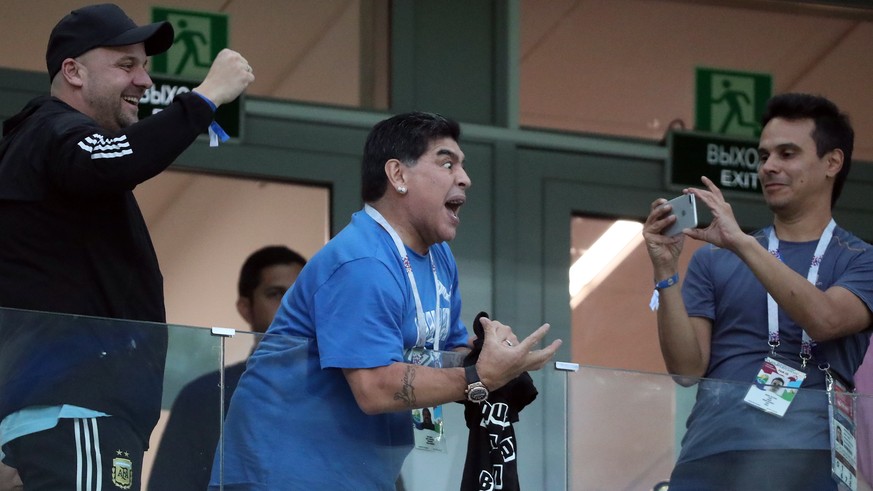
<point>775,304</point>
<point>326,399</point>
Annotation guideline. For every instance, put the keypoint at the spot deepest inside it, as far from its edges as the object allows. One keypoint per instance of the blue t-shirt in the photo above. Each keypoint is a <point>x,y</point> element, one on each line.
<point>293,422</point>
<point>720,287</point>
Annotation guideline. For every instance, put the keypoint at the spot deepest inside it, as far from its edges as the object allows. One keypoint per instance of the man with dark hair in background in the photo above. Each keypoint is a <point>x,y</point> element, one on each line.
<point>184,458</point>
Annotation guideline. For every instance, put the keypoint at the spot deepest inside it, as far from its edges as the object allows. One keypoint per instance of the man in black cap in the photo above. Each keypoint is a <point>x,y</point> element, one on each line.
<point>79,396</point>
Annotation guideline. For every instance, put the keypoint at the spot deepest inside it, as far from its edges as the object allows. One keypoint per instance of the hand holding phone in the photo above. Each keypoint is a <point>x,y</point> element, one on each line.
<point>685,209</point>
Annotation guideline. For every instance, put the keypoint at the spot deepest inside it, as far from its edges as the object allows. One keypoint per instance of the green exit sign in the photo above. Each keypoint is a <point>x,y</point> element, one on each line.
<point>730,102</point>
<point>199,37</point>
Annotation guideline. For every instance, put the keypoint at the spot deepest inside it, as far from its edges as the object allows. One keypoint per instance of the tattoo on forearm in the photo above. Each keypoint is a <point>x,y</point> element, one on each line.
<point>407,391</point>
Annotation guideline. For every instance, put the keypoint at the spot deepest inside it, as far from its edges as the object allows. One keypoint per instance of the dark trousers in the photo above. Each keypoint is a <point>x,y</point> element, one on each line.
<point>93,454</point>
<point>773,470</point>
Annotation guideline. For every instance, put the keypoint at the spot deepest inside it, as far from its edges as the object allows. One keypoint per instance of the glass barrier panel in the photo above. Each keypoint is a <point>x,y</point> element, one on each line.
<point>171,378</point>
<point>285,361</point>
<point>168,378</point>
<point>61,370</point>
<point>602,428</point>
<point>627,429</point>
<point>183,442</point>
<point>237,350</point>
<point>496,443</point>
<point>619,417</point>
<point>439,436</point>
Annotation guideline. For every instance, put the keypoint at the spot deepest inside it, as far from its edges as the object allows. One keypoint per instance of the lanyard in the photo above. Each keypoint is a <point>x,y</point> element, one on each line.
<point>419,310</point>
<point>811,276</point>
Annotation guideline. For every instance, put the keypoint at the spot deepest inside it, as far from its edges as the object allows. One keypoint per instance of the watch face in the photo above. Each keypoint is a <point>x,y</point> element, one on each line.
<point>477,394</point>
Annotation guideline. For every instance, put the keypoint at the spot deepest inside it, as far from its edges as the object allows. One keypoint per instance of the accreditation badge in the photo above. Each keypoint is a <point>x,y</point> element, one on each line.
<point>428,425</point>
<point>774,387</point>
<point>841,415</point>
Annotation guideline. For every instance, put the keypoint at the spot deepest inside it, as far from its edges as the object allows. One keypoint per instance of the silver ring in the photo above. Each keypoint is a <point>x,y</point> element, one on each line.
<point>508,342</point>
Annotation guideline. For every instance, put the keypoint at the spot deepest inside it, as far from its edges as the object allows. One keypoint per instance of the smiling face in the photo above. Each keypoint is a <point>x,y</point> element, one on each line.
<point>113,81</point>
<point>437,185</point>
<point>794,178</point>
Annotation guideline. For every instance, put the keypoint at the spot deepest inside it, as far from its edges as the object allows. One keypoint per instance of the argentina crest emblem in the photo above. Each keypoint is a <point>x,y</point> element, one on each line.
<point>122,472</point>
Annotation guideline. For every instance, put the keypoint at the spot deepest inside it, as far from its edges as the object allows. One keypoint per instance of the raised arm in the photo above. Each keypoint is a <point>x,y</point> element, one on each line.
<point>684,340</point>
<point>824,315</point>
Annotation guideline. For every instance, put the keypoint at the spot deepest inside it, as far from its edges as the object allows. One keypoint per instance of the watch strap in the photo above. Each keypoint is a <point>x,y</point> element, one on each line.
<point>471,374</point>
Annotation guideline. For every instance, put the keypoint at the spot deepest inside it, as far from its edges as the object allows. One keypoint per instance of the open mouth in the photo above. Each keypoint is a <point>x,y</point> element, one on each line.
<point>131,100</point>
<point>454,206</point>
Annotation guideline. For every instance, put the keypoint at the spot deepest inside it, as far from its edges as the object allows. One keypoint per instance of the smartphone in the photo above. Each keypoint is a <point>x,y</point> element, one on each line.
<point>685,209</point>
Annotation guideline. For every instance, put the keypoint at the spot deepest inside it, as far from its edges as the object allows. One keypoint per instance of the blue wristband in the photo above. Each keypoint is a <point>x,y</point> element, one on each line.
<point>655,301</point>
<point>216,132</point>
<point>668,282</point>
<point>208,101</point>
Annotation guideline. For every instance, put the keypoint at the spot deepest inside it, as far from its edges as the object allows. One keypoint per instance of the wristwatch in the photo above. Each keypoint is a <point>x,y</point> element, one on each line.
<point>476,390</point>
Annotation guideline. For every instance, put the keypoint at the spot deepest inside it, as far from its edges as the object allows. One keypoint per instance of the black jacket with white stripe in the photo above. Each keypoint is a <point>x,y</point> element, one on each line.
<point>73,240</point>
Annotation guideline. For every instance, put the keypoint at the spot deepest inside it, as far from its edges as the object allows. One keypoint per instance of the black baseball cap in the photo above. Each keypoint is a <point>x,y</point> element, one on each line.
<point>101,25</point>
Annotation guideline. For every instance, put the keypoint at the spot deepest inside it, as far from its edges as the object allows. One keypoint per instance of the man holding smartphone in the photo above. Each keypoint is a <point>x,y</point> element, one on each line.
<point>789,301</point>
